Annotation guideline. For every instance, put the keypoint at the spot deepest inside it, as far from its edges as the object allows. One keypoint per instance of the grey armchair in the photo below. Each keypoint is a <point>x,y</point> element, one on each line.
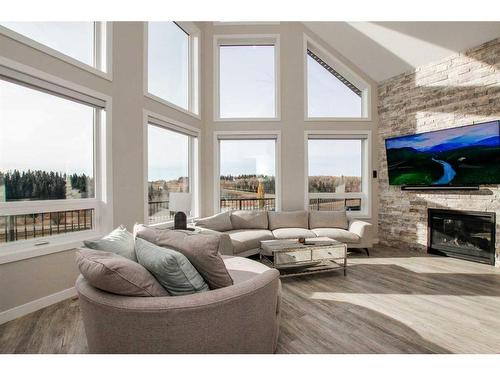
<point>242,318</point>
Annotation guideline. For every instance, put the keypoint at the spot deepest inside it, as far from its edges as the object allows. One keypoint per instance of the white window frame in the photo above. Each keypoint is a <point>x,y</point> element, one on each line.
<point>103,39</point>
<point>366,168</point>
<point>167,123</point>
<point>194,34</point>
<point>246,135</point>
<point>342,69</point>
<point>101,203</point>
<point>246,40</point>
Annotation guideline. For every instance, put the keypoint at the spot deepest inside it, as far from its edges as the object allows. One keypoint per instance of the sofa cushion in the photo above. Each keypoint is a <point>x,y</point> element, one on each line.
<point>328,219</point>
<point>247,239</point>
<point>120,241</point>
<point>289,233</point>
<point>290,219</point>
<point>172,269</point>
<point>341,235</point>
<point>202,250</point>
<point>249,219</point>
<point>116,274</point>
<point>219,222</point>
<point>242,269</point>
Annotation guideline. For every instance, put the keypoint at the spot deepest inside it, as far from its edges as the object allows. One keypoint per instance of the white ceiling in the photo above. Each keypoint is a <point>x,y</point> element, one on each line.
<point>385,49</point>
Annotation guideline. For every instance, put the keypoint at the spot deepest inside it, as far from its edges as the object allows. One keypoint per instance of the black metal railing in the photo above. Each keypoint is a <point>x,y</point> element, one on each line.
<point>266,204</point>
<point>43,224</point>
<point>334,204</point>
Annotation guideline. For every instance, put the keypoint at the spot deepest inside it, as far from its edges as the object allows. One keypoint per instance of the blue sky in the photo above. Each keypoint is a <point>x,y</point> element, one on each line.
<point>465,134</point>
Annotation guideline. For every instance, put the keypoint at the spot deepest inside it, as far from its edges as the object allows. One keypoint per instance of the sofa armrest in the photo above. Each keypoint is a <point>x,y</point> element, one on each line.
<point>225,246</point>
<point>364,230</point>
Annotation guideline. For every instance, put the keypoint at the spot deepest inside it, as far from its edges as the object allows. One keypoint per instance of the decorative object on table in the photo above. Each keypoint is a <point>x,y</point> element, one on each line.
<point>180,203</point>
<point>301,239</point>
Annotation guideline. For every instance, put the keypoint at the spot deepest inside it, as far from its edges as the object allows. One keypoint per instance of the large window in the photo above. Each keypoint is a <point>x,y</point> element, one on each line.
<point>172,64</point>
<point>49,178</point>
<point>331,91</point>
<point>172,163</point>
<point>338,173</point>
<point>247,174</point>
<point>247,78</point>
<point>82,41</point>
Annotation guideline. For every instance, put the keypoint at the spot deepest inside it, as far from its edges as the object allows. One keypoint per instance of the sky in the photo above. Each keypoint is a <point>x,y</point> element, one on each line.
<point>247,157</point>
<point>247,85</point>
<point>425,141</point>
<point>333,157</point>
<point>167,154</point>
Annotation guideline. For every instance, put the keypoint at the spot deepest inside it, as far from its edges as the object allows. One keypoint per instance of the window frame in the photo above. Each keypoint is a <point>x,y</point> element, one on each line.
<point>246,135</point>
<point>341,68</point>
<point>152,118</point>
<point>103,47</point>
<point>246,40</point>
<point>366,168</point>
<point>194,35</point>
<point>101,203</point>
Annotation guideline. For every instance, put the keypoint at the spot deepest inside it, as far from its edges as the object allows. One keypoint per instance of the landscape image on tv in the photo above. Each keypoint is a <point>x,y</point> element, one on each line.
<point>463,156</point>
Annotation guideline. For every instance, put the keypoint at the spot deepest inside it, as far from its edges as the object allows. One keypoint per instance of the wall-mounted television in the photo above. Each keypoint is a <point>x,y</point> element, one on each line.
<point>457,157</point>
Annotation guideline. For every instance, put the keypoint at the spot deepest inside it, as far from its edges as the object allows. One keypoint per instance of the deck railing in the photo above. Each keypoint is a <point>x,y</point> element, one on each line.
<point>266,204</point>
<point>334,204</point>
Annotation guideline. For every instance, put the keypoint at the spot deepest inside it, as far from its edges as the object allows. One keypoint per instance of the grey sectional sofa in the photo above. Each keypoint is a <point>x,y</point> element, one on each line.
<point>242,231</point>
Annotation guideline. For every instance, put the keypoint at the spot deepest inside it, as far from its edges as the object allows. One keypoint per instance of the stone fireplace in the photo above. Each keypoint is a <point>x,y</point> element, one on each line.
<point>467,235</point>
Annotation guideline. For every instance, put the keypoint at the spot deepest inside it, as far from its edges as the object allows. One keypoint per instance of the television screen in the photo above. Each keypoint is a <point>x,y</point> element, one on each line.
<point>463,156</point>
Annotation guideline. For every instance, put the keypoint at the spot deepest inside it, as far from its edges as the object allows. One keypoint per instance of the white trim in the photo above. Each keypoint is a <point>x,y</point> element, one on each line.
<point>245,23</point>
<point>35,305</point>
<point>250,39</point>
<point>248,134</point>
<point>107,73</point>
<point>345,71</point>
<point>103,201</point>
<point>177,126</point>
<point>194,62</point>
<point>366,180</point>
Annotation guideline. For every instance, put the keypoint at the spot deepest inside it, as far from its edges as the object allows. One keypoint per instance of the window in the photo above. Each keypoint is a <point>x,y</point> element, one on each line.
<point>172,162</point>
<point>82,41</point>
<point>338,172</point>
<point>247,174</point>
<point>172,64</point>
<point>332,92</point>
<point>247,78</point>
<point>49,176</point>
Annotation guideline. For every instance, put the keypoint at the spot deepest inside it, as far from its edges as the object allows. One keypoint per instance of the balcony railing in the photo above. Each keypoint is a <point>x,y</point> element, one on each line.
<point>334,204</point>
<point>44,224</point>
<point>266,204</point>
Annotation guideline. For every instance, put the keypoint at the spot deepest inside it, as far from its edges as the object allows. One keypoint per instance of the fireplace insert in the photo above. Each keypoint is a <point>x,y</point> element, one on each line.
<point>467,235</point>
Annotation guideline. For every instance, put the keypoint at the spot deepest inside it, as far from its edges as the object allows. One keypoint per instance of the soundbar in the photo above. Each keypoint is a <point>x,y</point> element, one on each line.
<point>438,187</point>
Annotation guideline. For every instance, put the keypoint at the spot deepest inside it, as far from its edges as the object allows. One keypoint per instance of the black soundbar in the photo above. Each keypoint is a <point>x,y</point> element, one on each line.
<point>438,187</point>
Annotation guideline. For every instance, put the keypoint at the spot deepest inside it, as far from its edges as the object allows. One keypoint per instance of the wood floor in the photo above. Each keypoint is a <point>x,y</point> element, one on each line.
<point>391,302</point>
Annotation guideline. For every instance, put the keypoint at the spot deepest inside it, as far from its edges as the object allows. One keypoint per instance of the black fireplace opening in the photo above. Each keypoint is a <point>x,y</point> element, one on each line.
<point>467,235</point>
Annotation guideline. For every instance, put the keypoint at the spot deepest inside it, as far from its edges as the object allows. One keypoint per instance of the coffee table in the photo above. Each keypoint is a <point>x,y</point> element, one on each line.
<point>316,255</point>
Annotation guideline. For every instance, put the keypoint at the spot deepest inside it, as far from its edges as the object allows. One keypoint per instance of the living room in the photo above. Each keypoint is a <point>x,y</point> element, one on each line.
<point>287,185</point>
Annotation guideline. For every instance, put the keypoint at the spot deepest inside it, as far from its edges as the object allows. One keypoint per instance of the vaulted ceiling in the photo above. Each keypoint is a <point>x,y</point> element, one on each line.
<point>385,49</point>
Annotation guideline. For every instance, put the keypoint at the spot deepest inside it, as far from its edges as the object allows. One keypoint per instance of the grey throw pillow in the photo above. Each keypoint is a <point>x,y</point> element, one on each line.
<point>328,219</point>
<point>249,219</point>
<point>172,269</point>
<point>202,250</point>
<point>120,241</point>
<point>219,222</point>
<point>115,274</point>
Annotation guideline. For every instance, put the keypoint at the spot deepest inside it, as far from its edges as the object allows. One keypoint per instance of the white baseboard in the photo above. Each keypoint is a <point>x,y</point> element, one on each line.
<point>18,311</point>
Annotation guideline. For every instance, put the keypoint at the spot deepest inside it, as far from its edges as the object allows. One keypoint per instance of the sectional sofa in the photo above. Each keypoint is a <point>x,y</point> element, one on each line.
<point>242,231</point>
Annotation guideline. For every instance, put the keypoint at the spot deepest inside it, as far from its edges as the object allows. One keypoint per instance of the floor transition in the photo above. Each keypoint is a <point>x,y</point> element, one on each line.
<point>395,301</point>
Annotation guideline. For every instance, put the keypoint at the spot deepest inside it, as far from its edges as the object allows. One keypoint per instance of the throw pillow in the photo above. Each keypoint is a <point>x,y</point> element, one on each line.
<point>328,219</point>
<point>202,250</point>
<point>120,241</point>
<point>249,219</point>
<point>115,274</point>
<point>219,222</point>
<point>171,268</point>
